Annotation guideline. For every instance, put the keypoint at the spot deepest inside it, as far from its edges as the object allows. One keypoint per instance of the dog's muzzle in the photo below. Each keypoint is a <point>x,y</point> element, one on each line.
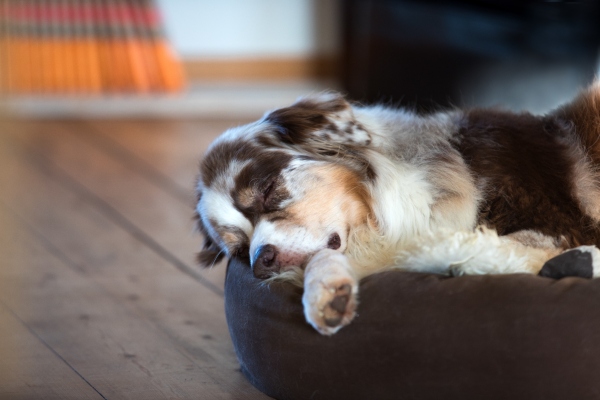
<point>265,261</point>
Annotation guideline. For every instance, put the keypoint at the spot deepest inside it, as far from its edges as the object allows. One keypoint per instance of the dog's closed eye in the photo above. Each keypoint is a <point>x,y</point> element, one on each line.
<point>268,191</point>
<point>271,196</point>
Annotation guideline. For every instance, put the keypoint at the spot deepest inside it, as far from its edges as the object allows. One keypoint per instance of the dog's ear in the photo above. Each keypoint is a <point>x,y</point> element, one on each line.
<point>325,118</point>
<point>324,126</point>
<point>211,253</point>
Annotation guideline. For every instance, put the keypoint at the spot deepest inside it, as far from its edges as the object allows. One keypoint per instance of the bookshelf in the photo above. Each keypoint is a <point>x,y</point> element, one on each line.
<point>64,47</point>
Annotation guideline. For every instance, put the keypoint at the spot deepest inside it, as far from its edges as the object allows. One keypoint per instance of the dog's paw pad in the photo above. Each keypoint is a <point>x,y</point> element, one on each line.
<point>334,311</point>
<point>330,306</point>
<point>574,262</point>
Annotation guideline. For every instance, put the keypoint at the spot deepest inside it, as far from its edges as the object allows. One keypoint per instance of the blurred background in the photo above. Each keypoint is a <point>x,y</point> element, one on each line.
<point>215,58</point>
<point>519,54</point>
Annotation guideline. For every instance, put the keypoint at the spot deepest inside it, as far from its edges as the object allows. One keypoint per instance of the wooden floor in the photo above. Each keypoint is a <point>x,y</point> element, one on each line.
<point>99,294</point>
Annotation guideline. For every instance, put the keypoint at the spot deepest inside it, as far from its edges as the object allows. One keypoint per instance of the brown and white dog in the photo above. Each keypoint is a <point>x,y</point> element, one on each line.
<point>328,192</point>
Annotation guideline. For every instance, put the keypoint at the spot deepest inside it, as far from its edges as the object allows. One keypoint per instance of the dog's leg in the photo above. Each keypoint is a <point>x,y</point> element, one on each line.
<point>484,252</point>
<point>582,261</point>
<point>474,253</point>
<point>330,291</point>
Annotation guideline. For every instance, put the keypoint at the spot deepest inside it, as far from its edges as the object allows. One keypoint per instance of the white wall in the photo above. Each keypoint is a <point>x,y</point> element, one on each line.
<point>251,28</point>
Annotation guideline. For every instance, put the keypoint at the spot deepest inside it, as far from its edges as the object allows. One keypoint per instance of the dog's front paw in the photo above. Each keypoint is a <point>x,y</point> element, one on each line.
<point>582,261</point>
<point>330,306</point>
<point>330,293</point>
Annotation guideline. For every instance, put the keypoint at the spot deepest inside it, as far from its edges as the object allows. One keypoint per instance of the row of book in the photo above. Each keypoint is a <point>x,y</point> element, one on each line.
<point>85,47</point>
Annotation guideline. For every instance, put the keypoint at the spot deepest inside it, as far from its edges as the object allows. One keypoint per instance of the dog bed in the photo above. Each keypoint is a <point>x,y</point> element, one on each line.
<point>423,336</point>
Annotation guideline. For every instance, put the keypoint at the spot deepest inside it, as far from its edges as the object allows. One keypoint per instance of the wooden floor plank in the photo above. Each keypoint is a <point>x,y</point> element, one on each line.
<point>174,312</point>
<point>120,354</point>
<point>29,369</point>
<point>170,149</point>
<point>133,201</point>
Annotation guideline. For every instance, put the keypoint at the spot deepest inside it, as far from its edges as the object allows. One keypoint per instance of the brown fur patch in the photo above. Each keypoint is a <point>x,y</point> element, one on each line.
<point>584,113</point>
<point>232,238</point>
<point>298,125</point>
<point>217,161</point>
<point>211,253</point>
<point>255,179</point>
<point>298,122</point>
<point>246,197</point>
<point>526,173</point>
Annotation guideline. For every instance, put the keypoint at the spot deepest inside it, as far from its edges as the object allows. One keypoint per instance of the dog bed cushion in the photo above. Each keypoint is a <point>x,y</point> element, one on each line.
<point>423,336</point>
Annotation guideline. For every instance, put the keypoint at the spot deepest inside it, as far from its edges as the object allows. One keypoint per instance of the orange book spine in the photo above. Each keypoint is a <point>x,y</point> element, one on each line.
<point>12,48</point>
<point>46,45</point>
<point>144,37</point>
<point>80,61</point>
<point>90,48</point>
<point>134,49</point>
<point>21,46</point>
<point>170,69</point>
<point>70,29</point>
<point>25,36</point>
<point>4,71</point>
<point>33,47</point>
<point>106,66</point>
<point>58,49</point>
<point>70,69</point>
<point>120,48</point>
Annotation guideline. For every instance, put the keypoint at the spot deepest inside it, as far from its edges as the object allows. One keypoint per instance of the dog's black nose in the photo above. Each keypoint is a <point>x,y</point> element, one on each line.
<point>265,261</point>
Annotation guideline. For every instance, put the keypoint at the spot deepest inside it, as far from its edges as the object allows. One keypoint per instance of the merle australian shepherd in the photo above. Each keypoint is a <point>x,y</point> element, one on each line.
<point>325,192</point>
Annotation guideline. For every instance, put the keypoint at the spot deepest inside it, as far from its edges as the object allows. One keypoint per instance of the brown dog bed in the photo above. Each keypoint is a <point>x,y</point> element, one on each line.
<point>423,336</point>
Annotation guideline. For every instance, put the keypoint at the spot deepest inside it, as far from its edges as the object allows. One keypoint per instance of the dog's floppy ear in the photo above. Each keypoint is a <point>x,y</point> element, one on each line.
<point>324,126</point>
<point>211,253</point>
<point>326,117</point>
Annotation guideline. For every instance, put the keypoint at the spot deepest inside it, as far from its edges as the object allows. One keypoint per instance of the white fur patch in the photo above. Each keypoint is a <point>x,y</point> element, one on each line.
<point>403,199</point>
<point>294,240</point>
<point>221,210</point>
<point>238,133</point>
<point>595,253</point>
<point>471,253</point>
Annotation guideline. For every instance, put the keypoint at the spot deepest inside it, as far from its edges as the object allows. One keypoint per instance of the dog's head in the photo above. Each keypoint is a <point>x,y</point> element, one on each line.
<point>278,190</point>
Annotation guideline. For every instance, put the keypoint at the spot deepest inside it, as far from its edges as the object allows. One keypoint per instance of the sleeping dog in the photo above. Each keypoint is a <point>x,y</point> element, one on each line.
<point>325,192</point>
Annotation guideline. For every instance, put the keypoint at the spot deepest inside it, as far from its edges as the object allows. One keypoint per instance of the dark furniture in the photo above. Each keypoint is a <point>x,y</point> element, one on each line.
<point>430,54</point>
